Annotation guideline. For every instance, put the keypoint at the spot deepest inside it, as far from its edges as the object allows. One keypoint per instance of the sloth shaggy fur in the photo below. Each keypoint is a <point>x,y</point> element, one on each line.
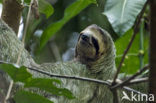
<point>94,58</point>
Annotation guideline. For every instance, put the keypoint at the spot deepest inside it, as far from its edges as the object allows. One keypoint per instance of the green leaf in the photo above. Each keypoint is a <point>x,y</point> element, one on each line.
<point>49,86</point>
<point>122,13</point>
<point>70,12</point>
<point>28,97</point>
<point>17,74</point>
<point>131,63</point>
<point>65,92</point>
<point>45,8</point>
<point>27,2</point>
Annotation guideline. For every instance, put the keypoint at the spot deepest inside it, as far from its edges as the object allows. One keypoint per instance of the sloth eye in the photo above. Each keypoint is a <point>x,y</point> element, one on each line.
<point>96,45</point>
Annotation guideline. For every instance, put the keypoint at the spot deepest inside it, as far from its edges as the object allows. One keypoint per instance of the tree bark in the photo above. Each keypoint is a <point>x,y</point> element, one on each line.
<point>152,77</point>
<point>11,13</point>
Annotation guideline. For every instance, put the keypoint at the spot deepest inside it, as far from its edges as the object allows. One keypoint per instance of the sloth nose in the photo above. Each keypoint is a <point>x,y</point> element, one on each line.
<point>85,37</point>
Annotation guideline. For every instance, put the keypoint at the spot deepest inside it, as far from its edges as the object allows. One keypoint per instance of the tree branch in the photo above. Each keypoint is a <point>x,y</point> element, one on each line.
<point>32,8</point>
<point>131,90</point>
<point>132,77</point>
<point>11,13</point>
<point>9,91</point>
<point>70,77</point>
<point>131,41</point>
<point>138,80</point>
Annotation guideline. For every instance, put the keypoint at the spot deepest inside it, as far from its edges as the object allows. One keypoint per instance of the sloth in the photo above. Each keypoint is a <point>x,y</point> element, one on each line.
<point>94,58</point>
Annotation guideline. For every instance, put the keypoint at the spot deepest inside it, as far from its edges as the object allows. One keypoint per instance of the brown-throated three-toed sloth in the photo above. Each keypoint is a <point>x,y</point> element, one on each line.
<point>94,58</point>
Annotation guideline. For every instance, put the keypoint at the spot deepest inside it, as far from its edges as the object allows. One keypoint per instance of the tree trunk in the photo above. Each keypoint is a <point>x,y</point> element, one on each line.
<point>11,13</point>
<point>152,77</point>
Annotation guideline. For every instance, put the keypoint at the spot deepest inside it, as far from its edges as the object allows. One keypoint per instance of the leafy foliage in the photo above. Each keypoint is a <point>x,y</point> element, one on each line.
<point>131,63</point>
<point>49,86</point>
<point>17,74</point>
<point>70,12</point>
<point>28,97</point>
<point>45,8</point>
<point>27,1</point>
<point>20,74</point>
<point>122,13</point>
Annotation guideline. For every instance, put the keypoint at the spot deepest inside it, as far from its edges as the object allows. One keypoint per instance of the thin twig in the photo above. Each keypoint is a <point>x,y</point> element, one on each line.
<point>70,77</point>
<point>9,91</point>
<point>131,41</point>
<point>141,44</point>
<point>132,77</point>
<point>12,82</point>
<point>27,22</point>
<point>131,90</point>
<point>138,80</point>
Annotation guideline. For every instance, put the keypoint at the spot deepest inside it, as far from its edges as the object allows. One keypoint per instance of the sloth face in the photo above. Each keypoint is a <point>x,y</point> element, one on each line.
<point>92,44</point>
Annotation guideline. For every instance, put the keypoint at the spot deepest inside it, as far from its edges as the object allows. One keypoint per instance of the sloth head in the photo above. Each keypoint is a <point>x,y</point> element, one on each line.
<point>94,46</point>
